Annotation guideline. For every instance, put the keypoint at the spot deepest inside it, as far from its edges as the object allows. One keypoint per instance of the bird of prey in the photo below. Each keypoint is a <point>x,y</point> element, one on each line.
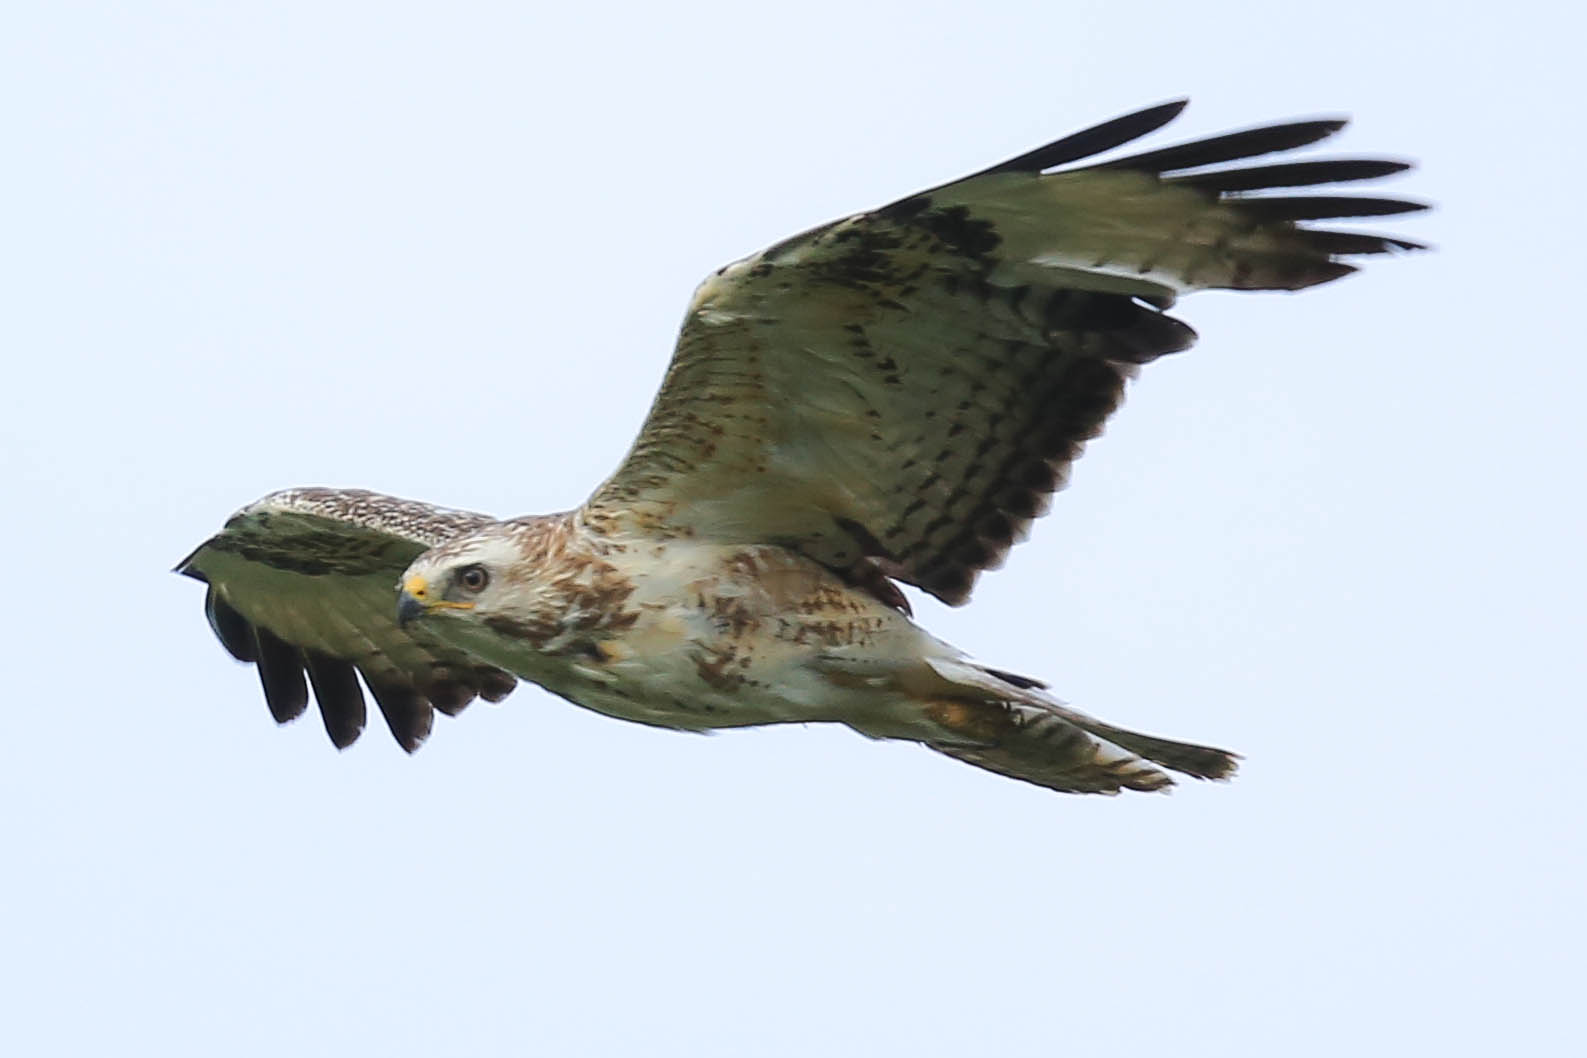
<point>887,399</point>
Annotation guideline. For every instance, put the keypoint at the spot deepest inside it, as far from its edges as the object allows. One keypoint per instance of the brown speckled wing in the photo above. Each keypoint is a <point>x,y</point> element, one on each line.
<point>900,392</point>
<point>303,585</point>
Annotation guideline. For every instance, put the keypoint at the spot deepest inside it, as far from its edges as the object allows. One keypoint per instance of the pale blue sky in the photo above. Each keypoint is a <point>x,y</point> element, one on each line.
<point>443,252</point>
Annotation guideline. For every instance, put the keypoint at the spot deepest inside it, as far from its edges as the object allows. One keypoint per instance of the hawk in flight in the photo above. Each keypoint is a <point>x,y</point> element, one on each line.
<point>889,398</point>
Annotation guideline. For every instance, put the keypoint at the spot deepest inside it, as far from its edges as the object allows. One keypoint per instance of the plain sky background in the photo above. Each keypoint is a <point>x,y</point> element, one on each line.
<point>442,252</point>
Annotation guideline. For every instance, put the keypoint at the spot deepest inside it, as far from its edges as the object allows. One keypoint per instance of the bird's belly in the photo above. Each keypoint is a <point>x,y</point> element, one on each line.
<point>684,673</point>
<point>732,639</point>
<point>687,700</point>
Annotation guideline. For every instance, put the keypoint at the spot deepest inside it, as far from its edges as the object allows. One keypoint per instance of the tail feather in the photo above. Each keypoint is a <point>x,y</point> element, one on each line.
<point>1020,731</point>
<point>1202,762</point>
<point>1044,749</point>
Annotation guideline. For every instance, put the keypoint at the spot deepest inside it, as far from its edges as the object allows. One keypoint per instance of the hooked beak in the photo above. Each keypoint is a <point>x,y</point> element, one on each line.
<point>409,607</point>
<point>414,601</point>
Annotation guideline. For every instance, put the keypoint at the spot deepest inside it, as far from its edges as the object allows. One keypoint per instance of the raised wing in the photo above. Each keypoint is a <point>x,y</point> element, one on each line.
<point>304,582</point>
<point>898,394</point>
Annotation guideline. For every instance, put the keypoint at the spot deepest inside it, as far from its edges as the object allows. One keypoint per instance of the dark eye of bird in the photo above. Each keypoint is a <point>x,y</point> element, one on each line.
<point>474,578</point>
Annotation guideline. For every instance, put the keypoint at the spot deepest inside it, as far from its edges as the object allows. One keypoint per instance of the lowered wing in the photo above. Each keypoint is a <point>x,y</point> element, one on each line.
<point>303,584</point>
<point>898,394</point>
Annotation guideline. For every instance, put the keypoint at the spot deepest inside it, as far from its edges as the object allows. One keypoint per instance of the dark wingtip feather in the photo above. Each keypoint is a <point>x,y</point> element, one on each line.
<point>1345,243</point>
<point>1322,207</point>
<point>1151,335</point>
<point>341,700</point>
<point>1231,146</point>
<point>494,684</point>
<point>407,714</point>
<point>1297,271</point>
<point>230,627</point>
<point>1092,141</point>
<point>449,696</point>
<point>281,674</point>
<point>951,584</point>
<point>1291,174</point>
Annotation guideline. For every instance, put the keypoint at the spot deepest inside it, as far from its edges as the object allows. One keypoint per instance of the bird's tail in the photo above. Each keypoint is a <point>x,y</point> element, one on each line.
<point>1030,736</point>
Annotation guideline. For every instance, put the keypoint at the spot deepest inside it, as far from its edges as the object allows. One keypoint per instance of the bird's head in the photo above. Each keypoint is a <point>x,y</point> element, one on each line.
<point>467,577</point>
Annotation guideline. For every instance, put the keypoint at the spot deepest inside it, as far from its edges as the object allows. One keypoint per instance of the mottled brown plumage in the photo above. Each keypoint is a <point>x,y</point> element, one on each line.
<point>889,398</point>
<point>909,386</point>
